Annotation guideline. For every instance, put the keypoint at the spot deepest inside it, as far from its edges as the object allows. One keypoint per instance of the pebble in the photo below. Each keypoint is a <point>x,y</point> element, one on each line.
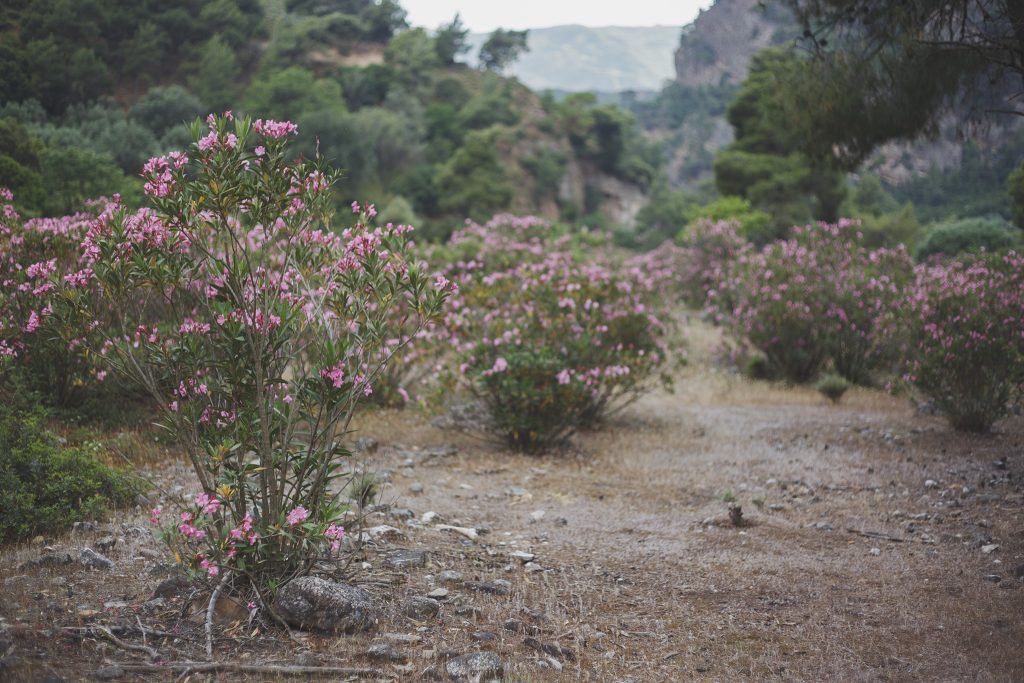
<point>416,487</point>
<point>537,515</point>
<point>407,638</point>
<point>94,560</point>
<point>106,543</point>
<point>382,531</point>
<point>450,576</point>
<point>430,517</point>
<point>406,559</point>
<point>931,484</point>
<point>496,587</point>
<point>420,608</point>
<point>483,636</point>
<point>994,578</point>
<point>438,593</point>
<point>523,557</point>
<point>382,652</point>
<point>477,666</point>
<point>875,551</point>
<point>533,567</point>
<point>990,548</point>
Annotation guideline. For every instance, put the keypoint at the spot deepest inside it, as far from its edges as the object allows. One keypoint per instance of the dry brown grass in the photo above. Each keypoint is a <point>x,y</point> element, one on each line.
<point>646,579</point>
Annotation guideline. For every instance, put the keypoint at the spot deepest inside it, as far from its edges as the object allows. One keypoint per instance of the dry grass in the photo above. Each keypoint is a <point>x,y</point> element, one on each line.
<point>645,578</point>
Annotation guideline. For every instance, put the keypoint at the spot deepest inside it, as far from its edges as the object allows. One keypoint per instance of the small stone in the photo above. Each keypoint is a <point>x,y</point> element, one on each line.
<point>381,532</point>
<point>421,608</point>
<point>875,551</point>
<point>150,553</point>
<point>438,594</point>
<point>416,487</point>
<point>931,484</point>
<point>517,626</point>
<point>307,658</point>
<point>401,513</point>
<point>483,636</point>
<point>496,587</point>
<point>406,559</point>
<point>993,578</point>
<point>990,548</point>
<point>115,604</point>
<point>154,604</point>
<point>532,567</point>
<point>93,560</point>
<point>86,612</point>
<point>38,540</point>
<point>430,517</point>
<point>537,515</point>
<point>466,610</point>
<point>468,532</point>
<point>366,444</point>
<point>477,666</point>
<point>82,527</point>
<point>522,556</point>
<point>106,543</point>
<point>406,638</point>
<point>451,576</point>
<point>310,602</point>
<point>382,652</point>
<point>49,559</point>
<point>775,507</point>
<point>824,526</point>
<point>517,492</point>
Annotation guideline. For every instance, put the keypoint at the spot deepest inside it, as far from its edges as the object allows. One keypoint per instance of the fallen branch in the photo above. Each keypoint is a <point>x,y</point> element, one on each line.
<point>879,536</point>
<point>209,613</point>
<point>269,669</point>
<point>153,654</point>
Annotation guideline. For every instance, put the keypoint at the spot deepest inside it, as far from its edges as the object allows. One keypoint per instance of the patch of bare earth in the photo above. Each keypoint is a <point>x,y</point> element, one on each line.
<point>865,553</point>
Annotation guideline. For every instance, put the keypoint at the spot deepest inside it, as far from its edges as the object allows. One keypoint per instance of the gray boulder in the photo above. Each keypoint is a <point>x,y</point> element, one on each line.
<point>315,604</point>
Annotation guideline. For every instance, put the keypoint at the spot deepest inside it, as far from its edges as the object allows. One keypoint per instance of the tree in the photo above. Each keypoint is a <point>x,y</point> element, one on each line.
<point>215,74</point>
<point>770,163</point>
<point>502,48</point>
<point>885,70</point>
<point>1015,184</point>
<point>451,41</point>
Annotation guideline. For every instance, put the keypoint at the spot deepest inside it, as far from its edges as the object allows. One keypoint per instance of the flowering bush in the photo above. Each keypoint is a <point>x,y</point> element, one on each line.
<point>966,333</point>
<point>819,296</point>
<point>257,330</point>
<point>44,342</point>
<point>710,248</point>
<point>547,341</point>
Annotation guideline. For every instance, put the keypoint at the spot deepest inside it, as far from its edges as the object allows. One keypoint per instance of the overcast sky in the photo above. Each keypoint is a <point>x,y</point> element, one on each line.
<point>486,15</point>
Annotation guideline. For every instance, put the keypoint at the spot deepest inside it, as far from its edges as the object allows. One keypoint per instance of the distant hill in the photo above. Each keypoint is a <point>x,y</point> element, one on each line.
<point>606,59</point>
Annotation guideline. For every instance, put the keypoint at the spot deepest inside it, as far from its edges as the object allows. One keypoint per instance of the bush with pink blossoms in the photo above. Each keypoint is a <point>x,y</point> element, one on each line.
<point>257,329</point>
<point>45,345</point>
<point>966,337</point>
<point>710,249</point>
<point>815,299</point>
<point>548,341</point>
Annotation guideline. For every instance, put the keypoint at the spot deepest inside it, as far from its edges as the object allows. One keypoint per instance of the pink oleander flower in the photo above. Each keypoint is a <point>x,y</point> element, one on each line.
<point>297,516</point>
<point>335,533</point>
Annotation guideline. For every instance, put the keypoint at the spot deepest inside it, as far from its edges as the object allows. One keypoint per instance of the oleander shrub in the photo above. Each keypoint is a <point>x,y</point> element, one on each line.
<point>550,341</point>
<point>256,327</point>
<point>46,346</point>
<point>966,337</point>
<point>712,249</point>
<point>45,487</point>
<point>973,235</point>
<point>817,299</point>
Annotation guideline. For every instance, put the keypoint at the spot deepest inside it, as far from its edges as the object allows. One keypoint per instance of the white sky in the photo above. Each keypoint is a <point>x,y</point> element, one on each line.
<point>487,15</point>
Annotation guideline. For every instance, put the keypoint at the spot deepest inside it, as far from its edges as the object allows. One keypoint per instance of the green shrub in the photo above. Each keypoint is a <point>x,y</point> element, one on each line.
<point>46,487</point>
<point>966,235</point>
<point>833,386</point>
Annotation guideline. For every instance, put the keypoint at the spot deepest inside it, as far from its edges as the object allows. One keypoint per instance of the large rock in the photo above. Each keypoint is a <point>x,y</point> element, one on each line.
<point>478,666</point>
<point>315,604</point>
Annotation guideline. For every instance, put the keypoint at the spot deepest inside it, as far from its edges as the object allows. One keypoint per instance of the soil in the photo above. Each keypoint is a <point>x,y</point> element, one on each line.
<point>864,551</point>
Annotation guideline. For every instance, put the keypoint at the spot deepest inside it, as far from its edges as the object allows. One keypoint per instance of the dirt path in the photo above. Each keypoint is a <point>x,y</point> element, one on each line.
<point>644,577</point>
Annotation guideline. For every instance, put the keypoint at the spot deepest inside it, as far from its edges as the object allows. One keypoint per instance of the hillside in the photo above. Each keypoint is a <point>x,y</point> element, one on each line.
<point>605,59</point>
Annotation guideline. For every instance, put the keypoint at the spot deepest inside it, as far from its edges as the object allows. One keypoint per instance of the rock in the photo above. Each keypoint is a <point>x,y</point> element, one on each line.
<point>149,553</point>
<point>496,587</point>
<point>82,527</point>
<point>1000,464</point>
<point>366,444</point>
<point>516,626</point>
<point>824,526</point>
<point>522,556</point>
<point>313,603</point>
<point>48,560</point>
<point>875,551</point>
<point>381,532</point>
<point>993,578</point>
<point>517,492</point>
<point>406,559</point>
<point>990,548</point>
<point>115,604</point>
<point>537,515</point>
<point>451,576</point>
<point>471,534</point>
<point>438,594</point>
<point>171,587</point>
<point>91,559</point>
<point>401,513</point>
<point>736,515</point>
<point>478,666</point>
<point>466,610</point>
<point>418,607</point>
<point>552,649</point>
<point>483,636</point>
<point>931,484</point>
<point>416,487</point>
<point>154,604</point>
<point>106,543</point>
<point>407,638</point>
<point>307,658</point>
<point>382,652</point>
<point>532,567</point>
<point>430,517</point>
